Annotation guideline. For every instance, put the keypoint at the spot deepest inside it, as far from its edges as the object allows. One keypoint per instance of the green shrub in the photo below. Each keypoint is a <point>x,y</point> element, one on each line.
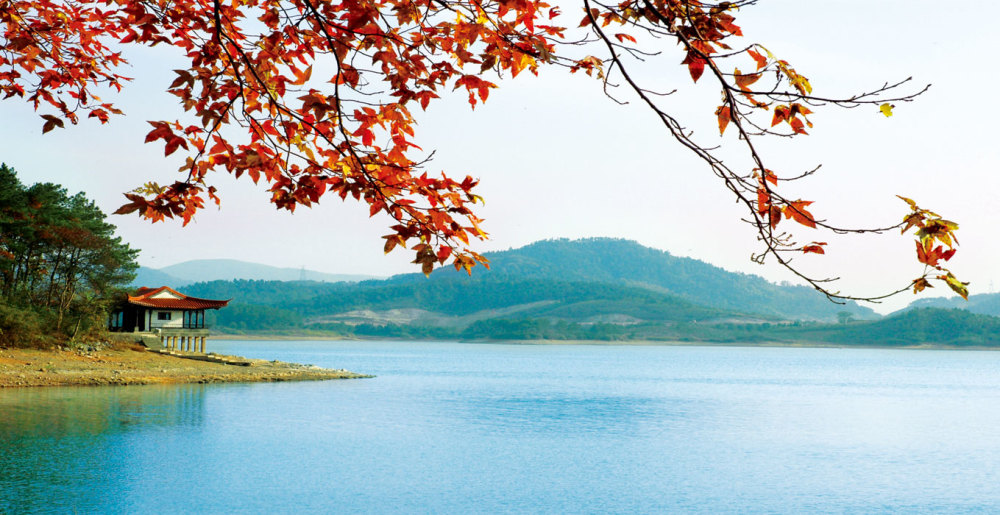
<point>22,328</point>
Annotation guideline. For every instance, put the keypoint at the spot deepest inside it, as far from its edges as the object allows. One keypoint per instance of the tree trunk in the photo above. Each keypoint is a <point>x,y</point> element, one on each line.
<point>70,290</point>
<point>76,329</point>
<point>52,276</point>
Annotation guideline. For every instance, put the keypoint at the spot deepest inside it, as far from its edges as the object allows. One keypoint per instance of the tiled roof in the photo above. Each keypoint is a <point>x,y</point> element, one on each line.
<point>145,297</point>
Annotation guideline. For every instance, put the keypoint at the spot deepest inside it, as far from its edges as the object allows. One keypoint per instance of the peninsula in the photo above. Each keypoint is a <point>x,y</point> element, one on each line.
<point>133,364</point>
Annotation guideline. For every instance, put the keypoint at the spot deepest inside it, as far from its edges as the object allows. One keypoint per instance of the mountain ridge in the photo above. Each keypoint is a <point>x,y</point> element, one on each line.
<point>593,276</point>
<point>621,261</point>
<point>204,270</point>
<point>981,303</point>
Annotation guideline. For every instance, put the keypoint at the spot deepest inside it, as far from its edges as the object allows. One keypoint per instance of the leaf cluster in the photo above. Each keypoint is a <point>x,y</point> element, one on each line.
<point>313,98</point>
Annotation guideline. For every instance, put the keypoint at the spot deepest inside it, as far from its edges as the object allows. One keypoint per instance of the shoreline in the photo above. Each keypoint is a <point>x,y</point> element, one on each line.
<point>134,365</point>
<point>637,343</point>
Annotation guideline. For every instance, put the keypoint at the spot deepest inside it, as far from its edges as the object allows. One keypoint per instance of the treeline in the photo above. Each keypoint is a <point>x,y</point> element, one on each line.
<point>60,262</point>
<point>928,326</point>
<point>493,329</point>
<point>455,296</point>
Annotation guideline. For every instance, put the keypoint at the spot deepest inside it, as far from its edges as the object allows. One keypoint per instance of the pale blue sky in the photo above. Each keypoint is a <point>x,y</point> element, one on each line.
<point>557,159</point>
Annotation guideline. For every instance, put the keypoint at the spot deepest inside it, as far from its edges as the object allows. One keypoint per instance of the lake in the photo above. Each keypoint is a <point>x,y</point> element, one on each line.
<point>488,428</point>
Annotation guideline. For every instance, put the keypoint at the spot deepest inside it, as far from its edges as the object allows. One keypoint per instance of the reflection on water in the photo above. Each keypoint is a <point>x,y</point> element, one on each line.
<point>70,412</point>
<point>59,442</point>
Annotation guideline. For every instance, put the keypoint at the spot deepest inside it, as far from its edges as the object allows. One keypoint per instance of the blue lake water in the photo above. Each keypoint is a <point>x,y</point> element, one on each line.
<point>484,428</point>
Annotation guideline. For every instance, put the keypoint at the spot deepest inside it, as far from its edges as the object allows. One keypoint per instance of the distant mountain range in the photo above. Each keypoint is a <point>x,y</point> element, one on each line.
<point>982,304</point>
<point>594,289</point>
<point>203,270</point>
<point>593,281</point>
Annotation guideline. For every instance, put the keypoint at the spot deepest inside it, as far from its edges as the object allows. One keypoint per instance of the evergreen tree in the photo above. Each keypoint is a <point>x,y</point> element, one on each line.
<point>60,261</point>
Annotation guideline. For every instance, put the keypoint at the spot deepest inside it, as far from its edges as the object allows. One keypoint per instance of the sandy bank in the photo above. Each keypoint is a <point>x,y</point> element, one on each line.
<point>134,365</point>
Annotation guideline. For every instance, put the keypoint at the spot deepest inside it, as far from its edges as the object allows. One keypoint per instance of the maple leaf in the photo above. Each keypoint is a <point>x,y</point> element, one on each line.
<point>51,122</point>
<point>815,247</point>
<point>910,202</point>
<point>957,286</point>
<point>759,59</point>
<point>797,211</point>
<point>352,132</point>
<point>723,114</point>
<point>774,216</point>
<point>930,255</point>
<point>912,220</point>
<point>763,200</point>
<point>920,284</point>
<point>391,240</point>
<point>938,229</point>
<point>696,65</point>
<point>173,144</point>
<point>744,81</point>
<point>781,114</point>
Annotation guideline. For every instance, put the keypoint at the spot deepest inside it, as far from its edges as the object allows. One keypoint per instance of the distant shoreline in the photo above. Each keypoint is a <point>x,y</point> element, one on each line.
<point>638,343</point>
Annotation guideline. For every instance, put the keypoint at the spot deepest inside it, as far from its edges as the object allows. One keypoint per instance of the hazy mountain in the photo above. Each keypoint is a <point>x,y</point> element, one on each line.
<point>203,270</point>
<point>154,278</point>
<point>983,304</point>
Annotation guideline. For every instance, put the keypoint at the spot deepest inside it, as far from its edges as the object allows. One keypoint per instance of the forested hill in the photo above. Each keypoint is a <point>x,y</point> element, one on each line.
<point>983,304</point>
<point>620,261</point>
<point>569,280</point>
<point>922,326</point>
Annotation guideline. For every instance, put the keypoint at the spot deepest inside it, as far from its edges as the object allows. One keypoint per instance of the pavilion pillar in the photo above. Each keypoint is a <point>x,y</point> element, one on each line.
<point>173,342</point>
<point>202,344</point>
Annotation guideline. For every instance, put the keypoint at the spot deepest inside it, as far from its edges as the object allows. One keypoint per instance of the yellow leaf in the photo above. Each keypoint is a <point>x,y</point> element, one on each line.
<point>801,84</point>
<point>886,109</point>
<point>956,285</point>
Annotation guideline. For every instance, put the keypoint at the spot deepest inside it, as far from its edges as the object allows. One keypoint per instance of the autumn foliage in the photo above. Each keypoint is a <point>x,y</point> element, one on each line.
<point>316,98</point>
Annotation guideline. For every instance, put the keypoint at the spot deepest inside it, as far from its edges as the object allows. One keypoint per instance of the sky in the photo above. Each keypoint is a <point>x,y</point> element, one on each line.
<point>558,159</point>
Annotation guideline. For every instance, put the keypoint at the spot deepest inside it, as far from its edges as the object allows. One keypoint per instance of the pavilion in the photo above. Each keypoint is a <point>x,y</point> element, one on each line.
<point>177,319</point>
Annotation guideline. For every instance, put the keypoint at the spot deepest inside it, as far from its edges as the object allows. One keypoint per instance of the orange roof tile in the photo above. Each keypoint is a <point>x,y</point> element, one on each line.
<point>145,297</point>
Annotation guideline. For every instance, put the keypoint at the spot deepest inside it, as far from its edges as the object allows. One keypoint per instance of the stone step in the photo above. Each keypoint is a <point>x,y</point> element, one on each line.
<point>212,358</point>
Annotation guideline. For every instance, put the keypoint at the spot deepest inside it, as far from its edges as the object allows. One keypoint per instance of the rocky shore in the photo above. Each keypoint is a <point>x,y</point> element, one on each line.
<point>133,364</point>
